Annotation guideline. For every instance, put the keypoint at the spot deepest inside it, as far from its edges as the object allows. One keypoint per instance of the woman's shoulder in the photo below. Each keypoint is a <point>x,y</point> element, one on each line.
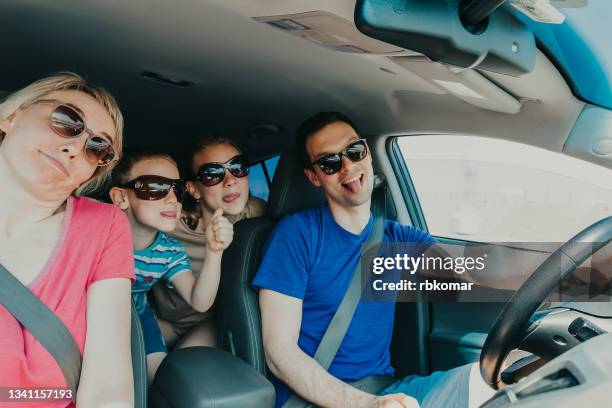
<point>255,207</point>
<point>96,212</point>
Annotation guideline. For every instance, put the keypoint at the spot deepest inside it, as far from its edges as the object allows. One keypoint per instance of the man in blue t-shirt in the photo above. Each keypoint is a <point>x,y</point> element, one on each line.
<point>307,266</point>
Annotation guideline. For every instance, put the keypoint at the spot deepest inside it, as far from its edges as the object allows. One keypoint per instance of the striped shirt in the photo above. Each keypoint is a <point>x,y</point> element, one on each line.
<point>163,259</point>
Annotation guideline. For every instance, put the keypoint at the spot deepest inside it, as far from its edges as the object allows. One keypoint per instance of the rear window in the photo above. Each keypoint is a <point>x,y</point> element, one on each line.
<point>260,177</point>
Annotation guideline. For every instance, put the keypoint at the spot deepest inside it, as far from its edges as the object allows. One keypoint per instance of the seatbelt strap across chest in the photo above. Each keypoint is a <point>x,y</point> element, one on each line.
<point>335,332</point>
<point>44,324</point>
<point>332,339</point>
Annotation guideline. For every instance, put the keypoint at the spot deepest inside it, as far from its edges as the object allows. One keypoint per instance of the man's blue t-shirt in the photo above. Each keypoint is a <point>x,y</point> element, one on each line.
<point>310,257</point>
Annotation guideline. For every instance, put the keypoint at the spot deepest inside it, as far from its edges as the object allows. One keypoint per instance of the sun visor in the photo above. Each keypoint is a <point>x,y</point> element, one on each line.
<point>467,85</point>
<point>330,31</point>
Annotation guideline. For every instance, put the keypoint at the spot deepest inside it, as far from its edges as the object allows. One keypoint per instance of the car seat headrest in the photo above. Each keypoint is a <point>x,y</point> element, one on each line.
<point>291,191</point>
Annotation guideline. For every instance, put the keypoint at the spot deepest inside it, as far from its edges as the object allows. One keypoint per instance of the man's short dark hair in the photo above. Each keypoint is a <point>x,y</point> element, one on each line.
<point>311,126</point>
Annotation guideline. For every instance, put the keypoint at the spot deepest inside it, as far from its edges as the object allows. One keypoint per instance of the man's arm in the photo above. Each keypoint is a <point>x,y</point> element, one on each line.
<point>498,275</point>
<point>495,276</point>
<point>281,320</point>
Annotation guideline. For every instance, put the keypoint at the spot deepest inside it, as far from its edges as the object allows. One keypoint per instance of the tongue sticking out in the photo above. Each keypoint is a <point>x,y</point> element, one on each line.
<point>353,186</point>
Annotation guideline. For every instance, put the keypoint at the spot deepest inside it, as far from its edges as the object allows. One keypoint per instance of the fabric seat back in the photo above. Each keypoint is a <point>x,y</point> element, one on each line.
<point>239,320</point>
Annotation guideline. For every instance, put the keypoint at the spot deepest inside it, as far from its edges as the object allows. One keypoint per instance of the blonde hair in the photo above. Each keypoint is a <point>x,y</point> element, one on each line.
<point>69,81</point>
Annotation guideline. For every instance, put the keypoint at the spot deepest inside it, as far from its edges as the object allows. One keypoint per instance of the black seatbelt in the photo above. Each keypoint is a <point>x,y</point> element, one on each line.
<point>35,316</point>
<point>333,336</point>
<point>139,361</point>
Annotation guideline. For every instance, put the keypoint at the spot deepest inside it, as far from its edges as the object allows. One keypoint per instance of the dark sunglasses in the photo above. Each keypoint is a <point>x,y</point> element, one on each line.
<point>332,163</point>
<point>67,122</point>
<point>153,188</point>
<point>211,174</point>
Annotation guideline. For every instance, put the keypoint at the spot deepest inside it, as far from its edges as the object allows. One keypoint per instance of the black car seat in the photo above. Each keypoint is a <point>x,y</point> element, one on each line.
<point>238,315</point>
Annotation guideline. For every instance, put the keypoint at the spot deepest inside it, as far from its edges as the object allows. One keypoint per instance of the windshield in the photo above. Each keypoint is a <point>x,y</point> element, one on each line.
<point>582,48</point>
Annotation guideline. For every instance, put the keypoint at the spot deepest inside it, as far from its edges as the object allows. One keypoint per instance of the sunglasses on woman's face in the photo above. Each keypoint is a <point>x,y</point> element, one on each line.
<point>211,174</point>
<point>153,188</point>
<point>66,122</point>
<point>332,163</point>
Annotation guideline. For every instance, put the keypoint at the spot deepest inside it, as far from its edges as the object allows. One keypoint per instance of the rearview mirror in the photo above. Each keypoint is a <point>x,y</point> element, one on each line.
<point>438,29</point>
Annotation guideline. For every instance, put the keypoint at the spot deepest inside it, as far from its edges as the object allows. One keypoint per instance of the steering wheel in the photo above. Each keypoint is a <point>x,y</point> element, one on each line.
<point>509,329</point>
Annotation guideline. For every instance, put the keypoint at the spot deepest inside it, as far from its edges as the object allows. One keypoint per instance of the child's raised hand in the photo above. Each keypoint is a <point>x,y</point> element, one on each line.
<point>219,232</point>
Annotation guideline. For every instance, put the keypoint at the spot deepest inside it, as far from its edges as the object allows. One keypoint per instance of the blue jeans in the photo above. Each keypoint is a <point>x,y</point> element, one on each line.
<point>442,389</point>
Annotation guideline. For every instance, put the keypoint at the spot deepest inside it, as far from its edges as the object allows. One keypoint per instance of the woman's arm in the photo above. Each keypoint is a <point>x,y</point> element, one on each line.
<point>106,376</point>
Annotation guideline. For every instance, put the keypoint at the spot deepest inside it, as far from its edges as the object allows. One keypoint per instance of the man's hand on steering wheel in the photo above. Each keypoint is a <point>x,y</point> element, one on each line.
<point>397,401</point>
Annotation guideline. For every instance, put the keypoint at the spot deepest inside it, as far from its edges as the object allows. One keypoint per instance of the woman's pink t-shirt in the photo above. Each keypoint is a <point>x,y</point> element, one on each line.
<point>95,244</point>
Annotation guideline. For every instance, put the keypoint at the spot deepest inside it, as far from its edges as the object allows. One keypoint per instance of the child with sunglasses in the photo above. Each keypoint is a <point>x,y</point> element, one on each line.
<point>147,186</point>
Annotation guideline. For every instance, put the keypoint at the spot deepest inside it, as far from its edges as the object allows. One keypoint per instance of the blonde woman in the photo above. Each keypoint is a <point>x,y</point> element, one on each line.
<point>59,136</point>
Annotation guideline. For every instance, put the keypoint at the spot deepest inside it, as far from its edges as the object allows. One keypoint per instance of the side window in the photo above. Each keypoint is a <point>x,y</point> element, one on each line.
<point>260,177</point>
<point>488,190</point>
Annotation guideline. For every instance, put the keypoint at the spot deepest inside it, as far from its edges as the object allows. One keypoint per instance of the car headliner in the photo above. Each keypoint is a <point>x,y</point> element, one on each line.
<point>247,73</point>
